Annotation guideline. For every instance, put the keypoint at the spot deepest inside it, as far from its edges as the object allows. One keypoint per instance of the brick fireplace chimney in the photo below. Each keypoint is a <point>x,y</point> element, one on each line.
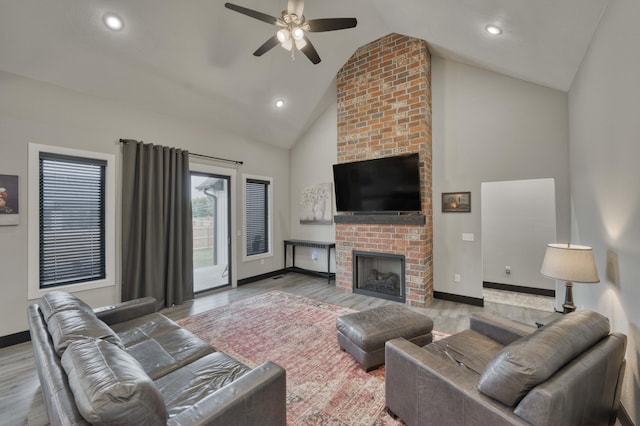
<point>384,109</point>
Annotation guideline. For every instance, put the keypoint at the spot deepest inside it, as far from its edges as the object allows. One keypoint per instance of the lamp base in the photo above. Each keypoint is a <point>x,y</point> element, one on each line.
<point>568,305</point>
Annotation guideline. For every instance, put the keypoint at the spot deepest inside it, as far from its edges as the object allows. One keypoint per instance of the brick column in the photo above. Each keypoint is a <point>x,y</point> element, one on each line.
<point>384,109</point>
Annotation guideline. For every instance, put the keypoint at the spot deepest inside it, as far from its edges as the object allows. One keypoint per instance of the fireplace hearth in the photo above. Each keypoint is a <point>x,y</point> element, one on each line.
<point>379,275</point>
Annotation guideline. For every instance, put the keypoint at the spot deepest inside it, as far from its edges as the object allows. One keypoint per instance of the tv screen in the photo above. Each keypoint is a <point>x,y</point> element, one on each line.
<point>390,184</point>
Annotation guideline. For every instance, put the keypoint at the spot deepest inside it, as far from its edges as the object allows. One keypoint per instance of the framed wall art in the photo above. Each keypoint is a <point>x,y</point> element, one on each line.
<point>316,207</point>
<point>9,211</point>
<point>456,202</point>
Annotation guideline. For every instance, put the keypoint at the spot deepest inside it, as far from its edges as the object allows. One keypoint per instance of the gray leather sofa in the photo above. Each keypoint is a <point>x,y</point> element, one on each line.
<point>128,364</point>
<point>500,372</point>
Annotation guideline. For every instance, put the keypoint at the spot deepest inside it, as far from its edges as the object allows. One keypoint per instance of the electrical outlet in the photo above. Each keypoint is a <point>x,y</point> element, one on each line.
<point>507,270</point>
<point>456,278</point>
<point>262,261</point>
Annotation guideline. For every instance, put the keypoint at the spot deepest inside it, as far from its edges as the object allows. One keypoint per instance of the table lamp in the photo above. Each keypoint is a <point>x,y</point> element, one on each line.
<point>570,263</point>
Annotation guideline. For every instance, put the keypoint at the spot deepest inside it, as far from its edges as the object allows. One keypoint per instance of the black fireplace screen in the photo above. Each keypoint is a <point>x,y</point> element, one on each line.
<point>379,275</point>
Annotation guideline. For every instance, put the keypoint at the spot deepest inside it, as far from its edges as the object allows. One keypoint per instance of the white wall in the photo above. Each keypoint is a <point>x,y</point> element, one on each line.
<point>311,161</point>
<point>604,106</point>
<point>486,127</point>
<point>489,127</point>
<point>32,111</point>
<point>518,221</point>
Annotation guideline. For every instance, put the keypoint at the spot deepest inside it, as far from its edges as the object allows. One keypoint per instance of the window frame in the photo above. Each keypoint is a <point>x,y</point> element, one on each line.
<point>33,275</point>
<point>269,224</point>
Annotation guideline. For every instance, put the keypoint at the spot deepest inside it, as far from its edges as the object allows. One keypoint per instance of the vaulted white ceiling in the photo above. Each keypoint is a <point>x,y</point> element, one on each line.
<point>193,58</point>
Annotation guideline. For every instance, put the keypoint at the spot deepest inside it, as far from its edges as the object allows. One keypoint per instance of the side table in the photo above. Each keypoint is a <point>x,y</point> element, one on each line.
<point>305,243</point>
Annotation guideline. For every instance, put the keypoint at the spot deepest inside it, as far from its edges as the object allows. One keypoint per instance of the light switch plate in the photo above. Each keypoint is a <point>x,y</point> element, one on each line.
<point>467,237</point>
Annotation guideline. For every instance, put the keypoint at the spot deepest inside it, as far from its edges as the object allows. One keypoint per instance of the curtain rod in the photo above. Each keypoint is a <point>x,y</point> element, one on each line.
<point>199,155</point>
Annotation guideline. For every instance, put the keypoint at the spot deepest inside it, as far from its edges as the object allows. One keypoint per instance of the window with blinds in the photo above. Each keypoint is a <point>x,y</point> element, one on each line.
<point>72,220</point>
<point>257,216</point>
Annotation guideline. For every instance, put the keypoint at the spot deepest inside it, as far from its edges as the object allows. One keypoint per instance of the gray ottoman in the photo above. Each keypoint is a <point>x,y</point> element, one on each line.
<point>363,334</point>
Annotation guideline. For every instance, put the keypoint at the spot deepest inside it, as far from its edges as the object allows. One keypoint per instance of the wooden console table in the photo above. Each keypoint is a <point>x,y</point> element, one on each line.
<point>313,244</point>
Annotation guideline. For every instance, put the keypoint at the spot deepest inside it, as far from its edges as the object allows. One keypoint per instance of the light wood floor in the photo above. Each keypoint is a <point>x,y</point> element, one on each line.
<point>21,400</point>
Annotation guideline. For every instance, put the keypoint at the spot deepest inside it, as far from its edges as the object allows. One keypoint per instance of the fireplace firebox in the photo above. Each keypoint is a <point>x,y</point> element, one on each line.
<point>379,275</point>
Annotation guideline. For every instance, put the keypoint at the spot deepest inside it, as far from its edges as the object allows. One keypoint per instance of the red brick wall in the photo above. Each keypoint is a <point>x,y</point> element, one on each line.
<point>384,109</point>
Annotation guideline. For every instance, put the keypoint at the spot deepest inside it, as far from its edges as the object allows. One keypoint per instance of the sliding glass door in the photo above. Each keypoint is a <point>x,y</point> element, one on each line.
<point>210,205</point>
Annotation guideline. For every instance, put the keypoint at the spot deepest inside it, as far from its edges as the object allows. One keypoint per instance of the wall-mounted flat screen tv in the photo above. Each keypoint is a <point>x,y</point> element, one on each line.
<point>390,184</point>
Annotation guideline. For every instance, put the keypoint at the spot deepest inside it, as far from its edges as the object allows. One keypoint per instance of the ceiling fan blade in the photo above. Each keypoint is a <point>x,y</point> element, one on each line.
<point>267,46</point>
<point>295,7</point>
<point>331,24</point>
<point>310,52</point>
<point>252,13</point>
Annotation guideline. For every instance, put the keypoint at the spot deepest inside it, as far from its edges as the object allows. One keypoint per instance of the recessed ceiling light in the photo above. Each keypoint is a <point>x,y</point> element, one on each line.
<point>493,29</point>
<point>113,21</point>
<point>279,103</point>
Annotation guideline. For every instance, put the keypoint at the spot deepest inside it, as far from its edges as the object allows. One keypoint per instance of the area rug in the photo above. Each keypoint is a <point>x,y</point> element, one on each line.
<point>325,386</point>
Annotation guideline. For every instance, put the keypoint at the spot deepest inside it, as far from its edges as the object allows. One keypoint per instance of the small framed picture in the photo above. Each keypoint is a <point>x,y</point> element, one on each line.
<point>456,202</point>
<point>9,200</point>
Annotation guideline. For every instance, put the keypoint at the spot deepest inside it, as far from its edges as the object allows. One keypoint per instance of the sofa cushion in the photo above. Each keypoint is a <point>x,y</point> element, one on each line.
<point>169,351</point>
<point>467,348</point>
<point>58,301</point>
<point>190,384</point>
<point>531,360</point>
<point>583,391</point>
<point>143,328</point>
<point>109,385</point>
<point>69,325</point>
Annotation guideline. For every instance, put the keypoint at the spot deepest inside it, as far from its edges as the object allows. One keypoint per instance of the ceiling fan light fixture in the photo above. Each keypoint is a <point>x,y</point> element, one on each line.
<point>292,28</point>
<point>283,35</point>
<point>288,44</point>
<point>297,33</point>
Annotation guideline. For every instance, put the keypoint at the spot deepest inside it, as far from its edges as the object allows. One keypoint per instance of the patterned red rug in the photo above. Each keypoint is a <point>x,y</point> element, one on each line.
<point>325,386</point>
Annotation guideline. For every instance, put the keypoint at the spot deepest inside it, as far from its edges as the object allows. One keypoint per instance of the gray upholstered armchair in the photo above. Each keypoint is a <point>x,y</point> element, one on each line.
<point>501,372</point>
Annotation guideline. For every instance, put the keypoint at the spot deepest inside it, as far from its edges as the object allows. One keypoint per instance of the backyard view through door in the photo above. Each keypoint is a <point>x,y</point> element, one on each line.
<point>210,205</point>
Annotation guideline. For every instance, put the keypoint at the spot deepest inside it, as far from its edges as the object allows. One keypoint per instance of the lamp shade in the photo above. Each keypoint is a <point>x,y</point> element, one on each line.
<point>571,263</point>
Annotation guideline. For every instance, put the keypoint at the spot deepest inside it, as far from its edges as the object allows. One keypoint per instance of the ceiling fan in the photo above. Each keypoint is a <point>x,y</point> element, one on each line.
<point>292,28</point>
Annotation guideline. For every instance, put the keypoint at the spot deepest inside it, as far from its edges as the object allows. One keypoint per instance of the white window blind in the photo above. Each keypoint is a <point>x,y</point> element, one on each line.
<point>257,216</point>
<point>72,220</point>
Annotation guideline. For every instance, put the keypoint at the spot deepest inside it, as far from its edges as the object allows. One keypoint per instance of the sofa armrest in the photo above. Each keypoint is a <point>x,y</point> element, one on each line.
<point>425,389</point>
<point>499,329</point>
<point>258,397</point>
<point>125,311</point>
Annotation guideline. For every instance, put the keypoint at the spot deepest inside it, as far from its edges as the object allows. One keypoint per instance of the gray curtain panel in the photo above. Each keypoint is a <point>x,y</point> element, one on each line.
<point>157,243</point>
